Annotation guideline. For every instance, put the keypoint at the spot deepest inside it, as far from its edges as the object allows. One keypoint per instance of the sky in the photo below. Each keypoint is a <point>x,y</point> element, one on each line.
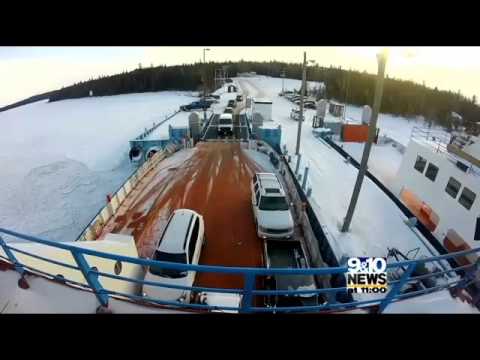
<point>27,71</point>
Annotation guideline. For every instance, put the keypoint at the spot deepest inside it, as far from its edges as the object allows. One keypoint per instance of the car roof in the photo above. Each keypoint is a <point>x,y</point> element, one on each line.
<point>174,237</point>
<point>270,185</point>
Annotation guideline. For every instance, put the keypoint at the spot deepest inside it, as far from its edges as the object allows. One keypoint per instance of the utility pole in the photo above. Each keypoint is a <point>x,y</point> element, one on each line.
<point>382,60</point>
<point>304,75</point>
<point>346,94</point>
<point>204,87</point>
<point>283,79</point>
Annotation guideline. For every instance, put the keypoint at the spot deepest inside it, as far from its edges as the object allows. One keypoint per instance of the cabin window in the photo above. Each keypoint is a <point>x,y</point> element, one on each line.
<point>420,164</point>
<point>453,187</point>
<point>431,172</point>
<point>467,198</point>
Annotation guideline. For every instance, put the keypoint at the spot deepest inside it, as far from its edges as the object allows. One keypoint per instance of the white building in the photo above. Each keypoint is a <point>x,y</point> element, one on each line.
<point>439,180</point>
<point>262,107</point>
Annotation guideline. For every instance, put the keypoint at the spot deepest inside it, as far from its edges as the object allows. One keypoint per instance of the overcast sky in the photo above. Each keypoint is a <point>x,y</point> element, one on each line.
<point>27,71</point>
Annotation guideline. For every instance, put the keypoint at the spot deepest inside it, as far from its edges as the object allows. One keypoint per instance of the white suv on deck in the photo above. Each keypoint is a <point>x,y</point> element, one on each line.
<point>181,242</point>
<point>270,207</point>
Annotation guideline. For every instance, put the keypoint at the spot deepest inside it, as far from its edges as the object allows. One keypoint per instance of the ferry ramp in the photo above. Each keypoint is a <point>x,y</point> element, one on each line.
<point>240,127</point>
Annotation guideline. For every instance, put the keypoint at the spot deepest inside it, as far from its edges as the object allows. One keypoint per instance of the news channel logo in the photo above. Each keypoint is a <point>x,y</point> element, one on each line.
<point>367,275</point>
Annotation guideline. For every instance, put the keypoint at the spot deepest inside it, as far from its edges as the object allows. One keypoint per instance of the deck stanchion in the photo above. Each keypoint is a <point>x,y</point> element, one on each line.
<point>18,267</point>
<point>90,277</point>
<point>299,158</point>
<point>309,192</point>
<point>305,176</point>
<point>397,287</point>
<point>247,292</point>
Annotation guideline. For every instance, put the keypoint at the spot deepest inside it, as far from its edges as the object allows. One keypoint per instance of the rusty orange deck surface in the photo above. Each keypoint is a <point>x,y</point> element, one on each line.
<point>215,182</point>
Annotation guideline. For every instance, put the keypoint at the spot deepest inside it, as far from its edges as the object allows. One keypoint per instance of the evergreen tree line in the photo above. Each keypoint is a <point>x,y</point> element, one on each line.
<point>400,97</point>
<point>179,77</point>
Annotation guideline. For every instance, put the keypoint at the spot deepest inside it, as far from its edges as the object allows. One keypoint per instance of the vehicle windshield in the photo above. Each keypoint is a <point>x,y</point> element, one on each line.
<point>169,273</point>
<point>225,121</point>
<point>273,203</point>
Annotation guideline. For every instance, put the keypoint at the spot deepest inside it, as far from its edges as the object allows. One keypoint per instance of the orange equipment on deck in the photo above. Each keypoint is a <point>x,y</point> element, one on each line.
<point>424,213</point>
<point>354,133</point>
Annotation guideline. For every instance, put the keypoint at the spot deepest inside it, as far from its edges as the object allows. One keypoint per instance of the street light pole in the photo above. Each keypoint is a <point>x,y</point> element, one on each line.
<point>382,60</point>
<point>300,120</point>
<point>204,87</point>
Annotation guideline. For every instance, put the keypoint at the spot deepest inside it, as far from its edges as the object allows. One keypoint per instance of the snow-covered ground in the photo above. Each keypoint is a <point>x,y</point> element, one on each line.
<point>440,302</point>
<point>59,160</point>
<point>396,127</point>
<point>384,160</point>
<point>377,224</point>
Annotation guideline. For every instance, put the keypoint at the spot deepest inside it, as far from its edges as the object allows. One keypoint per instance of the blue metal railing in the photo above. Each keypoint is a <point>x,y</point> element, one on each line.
<point>148,131</point>
<point>203,132</point>
<point>93,276</point>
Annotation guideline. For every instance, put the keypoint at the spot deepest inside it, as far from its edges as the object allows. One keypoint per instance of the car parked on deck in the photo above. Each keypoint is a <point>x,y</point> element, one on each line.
<point>271,209</point>
<point>181,242</point>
